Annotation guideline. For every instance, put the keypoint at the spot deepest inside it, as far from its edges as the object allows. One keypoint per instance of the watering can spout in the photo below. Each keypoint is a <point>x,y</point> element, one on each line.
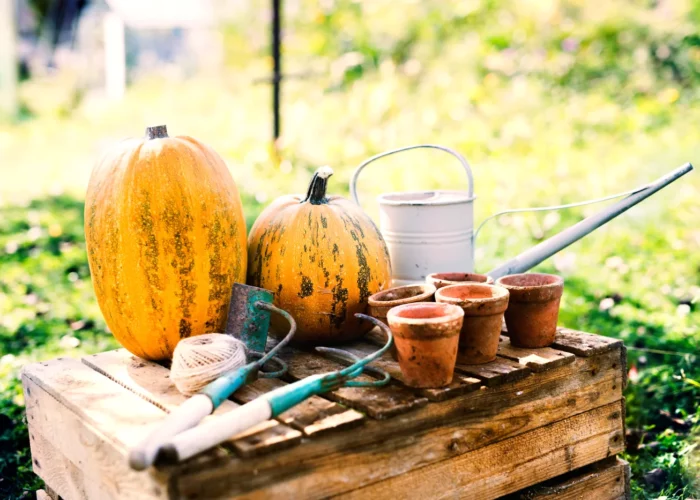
<point>546,249</point>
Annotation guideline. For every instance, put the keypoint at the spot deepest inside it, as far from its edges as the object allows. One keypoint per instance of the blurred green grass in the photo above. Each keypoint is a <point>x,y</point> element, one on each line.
<point>552,102</point>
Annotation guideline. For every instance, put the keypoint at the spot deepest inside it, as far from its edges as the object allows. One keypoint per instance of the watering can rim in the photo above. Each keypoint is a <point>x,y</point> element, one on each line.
<point>386,198</point>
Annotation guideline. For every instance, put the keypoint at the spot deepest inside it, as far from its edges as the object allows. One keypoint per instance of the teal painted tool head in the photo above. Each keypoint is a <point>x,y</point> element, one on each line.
<point>246,320</point>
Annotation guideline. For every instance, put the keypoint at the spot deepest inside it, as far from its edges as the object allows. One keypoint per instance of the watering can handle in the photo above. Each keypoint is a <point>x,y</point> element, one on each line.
<point>462,160</point>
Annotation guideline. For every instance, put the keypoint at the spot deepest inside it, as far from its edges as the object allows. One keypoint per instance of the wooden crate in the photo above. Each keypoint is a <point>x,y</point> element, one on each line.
<point>528,417</point>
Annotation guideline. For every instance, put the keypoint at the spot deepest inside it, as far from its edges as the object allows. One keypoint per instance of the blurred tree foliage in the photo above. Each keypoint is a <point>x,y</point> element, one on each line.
<point>629,46</point>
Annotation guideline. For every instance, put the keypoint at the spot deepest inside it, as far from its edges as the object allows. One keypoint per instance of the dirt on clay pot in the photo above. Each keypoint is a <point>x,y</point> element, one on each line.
<point>426,337</point>
<point>533,311</point>
<point>483,307</point>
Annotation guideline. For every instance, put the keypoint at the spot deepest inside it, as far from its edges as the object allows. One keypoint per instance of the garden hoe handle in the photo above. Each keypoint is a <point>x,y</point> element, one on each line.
<point>227,426</point>
<point>185,416</point>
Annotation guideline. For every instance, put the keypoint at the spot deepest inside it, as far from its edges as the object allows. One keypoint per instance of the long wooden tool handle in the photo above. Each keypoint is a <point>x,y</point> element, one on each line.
<point>184,417</point>
<point>223,427</point>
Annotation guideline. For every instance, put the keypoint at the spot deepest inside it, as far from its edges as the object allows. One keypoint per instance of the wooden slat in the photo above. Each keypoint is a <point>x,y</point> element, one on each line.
<point>497,372</point>
<point>584,344</point>
<point>461,384</point>
<point>152,381</point>
<point>312,417</point>
<point>71,406</point>
<point>379,403</point>
<point>538,360</point>
<point>509,465</point>
<point>342,462</point>
<point>64,478</point>
<point>604,480</point>
<point>274,438</point>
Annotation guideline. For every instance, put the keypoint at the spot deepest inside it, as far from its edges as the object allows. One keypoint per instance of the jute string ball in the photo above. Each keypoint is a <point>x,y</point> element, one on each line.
<point>199,360</point>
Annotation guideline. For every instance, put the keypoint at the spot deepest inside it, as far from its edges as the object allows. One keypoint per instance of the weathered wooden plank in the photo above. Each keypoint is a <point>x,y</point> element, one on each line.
<point>584,344</point>
<point>497,372</point>
<point>312,417</point>
<point>71,406</point>
<point>587,344</point>
<point>274,438</point>
<point>509,465</point>
<point>64,478</point>
<point>440,431</point>
<point>152,382</point>
<point>379,403</point>
<point>604,480</point>
<point>538,360</point>
<point>461,384</point>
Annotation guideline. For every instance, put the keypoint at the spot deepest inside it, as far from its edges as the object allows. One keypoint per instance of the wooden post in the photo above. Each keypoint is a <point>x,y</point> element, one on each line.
<point>8,58</point>
<point>277,66</point>
<point>115,56</point>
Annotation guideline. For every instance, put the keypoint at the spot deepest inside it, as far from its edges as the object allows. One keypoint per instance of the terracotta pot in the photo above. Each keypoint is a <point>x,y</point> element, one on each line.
<point>534,308</point>
<point>426,337</point>
<point>381,302</point>
<point>446,279</point>
<point>483,307</point>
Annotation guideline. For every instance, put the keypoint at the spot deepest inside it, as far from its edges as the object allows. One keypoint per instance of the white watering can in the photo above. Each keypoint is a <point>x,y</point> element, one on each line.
<point>433,231</point>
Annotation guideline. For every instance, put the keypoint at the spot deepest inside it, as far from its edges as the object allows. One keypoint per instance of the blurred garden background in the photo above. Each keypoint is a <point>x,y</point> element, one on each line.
<point>552,101</point>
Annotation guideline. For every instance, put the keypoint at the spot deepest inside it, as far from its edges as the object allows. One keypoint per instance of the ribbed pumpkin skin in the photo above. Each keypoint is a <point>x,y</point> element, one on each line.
<point>166,240</point>
<point>322,262</point>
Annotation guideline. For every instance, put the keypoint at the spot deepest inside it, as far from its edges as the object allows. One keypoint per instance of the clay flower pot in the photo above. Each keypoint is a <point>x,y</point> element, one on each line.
<point>381,302</point>
<point>446,279</point>
<point>533,311</point>
<point>483,307</point>
<point>426,337</point>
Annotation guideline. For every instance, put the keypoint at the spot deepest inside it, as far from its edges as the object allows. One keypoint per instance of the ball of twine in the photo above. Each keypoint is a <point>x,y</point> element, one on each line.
<point>200,360</point>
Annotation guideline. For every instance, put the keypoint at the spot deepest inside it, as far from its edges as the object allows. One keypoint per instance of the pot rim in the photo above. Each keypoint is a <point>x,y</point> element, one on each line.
<point>501,292</point>
<point>437,277</point>
<point>428,290</point>
<point>557,282</point>
<point>452,312</point>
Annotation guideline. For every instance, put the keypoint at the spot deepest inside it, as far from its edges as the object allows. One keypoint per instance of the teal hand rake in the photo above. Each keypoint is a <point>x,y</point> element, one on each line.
<point>273,403</point>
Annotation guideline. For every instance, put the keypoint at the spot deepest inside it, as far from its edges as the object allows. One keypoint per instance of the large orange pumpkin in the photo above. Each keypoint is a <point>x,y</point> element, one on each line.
<point>322,257</point>
<point>166,240</point>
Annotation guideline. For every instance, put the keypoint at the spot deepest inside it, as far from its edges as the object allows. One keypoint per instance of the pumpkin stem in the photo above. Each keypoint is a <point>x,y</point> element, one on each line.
<point>316,195</point>
<point>157,132</point>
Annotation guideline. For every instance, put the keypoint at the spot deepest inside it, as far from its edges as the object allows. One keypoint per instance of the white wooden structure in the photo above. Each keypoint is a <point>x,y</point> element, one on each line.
<point>145,14</point>
<point>8,58</point>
